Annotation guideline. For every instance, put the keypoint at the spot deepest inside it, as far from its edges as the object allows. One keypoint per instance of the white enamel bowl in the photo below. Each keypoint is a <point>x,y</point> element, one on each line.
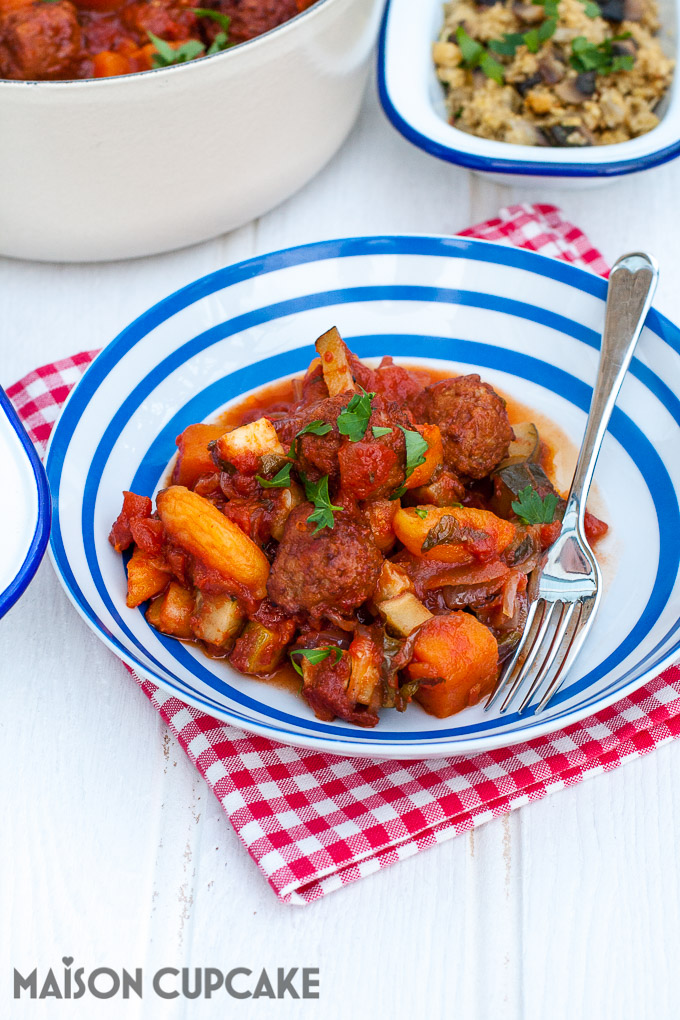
<point>528,324</point>
<point>112,168</point>
<point>413,99</point>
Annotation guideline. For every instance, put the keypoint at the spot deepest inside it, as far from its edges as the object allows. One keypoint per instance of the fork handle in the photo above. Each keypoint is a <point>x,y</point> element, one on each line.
<point>632,284</point>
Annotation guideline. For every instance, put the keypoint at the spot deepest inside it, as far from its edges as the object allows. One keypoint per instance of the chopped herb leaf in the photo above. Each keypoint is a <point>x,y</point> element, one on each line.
<point>549,6</point>
<point>416,448</point>
<point>353,419</point>
<point>379,430</point>
<point>533,39</point>
<point>470,50</point>
<point>592,9</point>
<point>219,43</point>
<point>420,512</point>
<point>623,63</point>
<point>507,46</point>
<point>491,68</point>
<point>316,428</point>
<point>531,509</point>
<point>314,656</point>
<point>474,55</point>
<point>166,55</point>
<point>223,20</point>
<point>547,29</point>
<point>317,493</point>
<point>586,56</point>
<point>281,480</point>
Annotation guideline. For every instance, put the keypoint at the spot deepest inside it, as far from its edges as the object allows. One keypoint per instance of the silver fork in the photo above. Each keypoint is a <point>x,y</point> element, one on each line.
<point>565,588</point>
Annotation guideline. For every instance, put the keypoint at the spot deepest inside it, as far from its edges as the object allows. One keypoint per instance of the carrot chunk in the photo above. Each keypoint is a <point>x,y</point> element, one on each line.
<point>462,652</point>
<point>194,458</point>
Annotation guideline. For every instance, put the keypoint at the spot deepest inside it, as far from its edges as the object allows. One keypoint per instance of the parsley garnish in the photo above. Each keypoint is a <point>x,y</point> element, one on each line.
<point>416,448</point>
<point>353,419</point>
<point>313,656</point>
<point>420,512</point>
<point>281,480</point>
<point>219,43</point>
<point>166,55</point>
<point>508,44</point>
<point>379,430</point>
<point>531,509</point>
<point>315,428</point>
<point>601,58</point>
<point>592,9</point>
<point>221,40</point>
<point>549,6</point>
<point>206,12</point>
<point>474,55</point>
<point>534,38</point>
<point>317,493</point>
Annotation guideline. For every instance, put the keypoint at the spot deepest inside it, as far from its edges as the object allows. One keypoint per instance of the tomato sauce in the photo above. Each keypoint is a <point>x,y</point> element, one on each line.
<point>51,40</point>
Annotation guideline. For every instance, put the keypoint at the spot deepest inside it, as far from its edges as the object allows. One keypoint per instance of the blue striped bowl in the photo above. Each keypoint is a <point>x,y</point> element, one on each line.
<point>25,510</point>
<point>528,324</point>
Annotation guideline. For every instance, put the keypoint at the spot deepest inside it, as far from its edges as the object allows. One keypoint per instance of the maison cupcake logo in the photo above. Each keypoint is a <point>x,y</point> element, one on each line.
<point>69,982</point>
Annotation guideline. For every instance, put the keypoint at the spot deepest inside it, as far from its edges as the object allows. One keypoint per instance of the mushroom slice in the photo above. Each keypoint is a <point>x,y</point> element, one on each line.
<point>576,90</point>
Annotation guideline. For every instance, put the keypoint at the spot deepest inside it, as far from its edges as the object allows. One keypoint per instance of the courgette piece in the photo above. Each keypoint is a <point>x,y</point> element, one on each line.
<point>524,446</point>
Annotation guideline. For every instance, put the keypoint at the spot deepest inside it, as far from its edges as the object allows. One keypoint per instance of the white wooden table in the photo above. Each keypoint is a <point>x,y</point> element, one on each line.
<point>115,853</point>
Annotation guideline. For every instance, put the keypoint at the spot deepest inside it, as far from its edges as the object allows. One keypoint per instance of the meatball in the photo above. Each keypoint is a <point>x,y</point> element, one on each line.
<point>40,42</point>
<point>167,19</point>
<point>333,571</point>
<point>253,17</point>
<point>374,466</point>
<point>390,381</point>
<point>317,455</point>
<point>474,424</point>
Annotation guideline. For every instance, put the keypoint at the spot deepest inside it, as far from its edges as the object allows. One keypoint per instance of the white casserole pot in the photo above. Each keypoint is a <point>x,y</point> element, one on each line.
<point>112,168</point>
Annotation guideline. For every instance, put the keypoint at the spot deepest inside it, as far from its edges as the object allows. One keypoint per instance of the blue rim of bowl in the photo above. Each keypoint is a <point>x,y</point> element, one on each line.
<point>36,549</point>
<point>346,741</point>
<point>498,165</point>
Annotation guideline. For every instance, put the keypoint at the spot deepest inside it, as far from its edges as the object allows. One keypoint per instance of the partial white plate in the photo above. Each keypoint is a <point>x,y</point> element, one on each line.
<point>530,325</point>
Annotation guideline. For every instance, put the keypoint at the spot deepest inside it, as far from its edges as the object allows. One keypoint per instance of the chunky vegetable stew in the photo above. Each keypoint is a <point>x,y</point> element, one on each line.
<point>47,40</point>
<point>371,529</point>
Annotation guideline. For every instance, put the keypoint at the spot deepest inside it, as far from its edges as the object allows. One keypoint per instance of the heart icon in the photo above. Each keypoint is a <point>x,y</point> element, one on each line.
<point>67,960</point>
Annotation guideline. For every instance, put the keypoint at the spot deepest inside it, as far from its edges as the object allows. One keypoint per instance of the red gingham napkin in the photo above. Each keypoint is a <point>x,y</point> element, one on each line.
<point>314,822</point>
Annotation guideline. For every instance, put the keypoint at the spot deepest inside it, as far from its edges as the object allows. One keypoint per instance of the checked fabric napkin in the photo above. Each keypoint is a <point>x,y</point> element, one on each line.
<point>314,822</point>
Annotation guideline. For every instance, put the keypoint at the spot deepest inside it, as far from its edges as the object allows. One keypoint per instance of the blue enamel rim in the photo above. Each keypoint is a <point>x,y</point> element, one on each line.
<point>156,458</point>
<point>36,549</point>
<point>492,164</point>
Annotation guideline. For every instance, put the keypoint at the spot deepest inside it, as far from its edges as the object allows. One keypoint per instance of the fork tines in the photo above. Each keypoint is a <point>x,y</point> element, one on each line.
<point>551,639</point>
